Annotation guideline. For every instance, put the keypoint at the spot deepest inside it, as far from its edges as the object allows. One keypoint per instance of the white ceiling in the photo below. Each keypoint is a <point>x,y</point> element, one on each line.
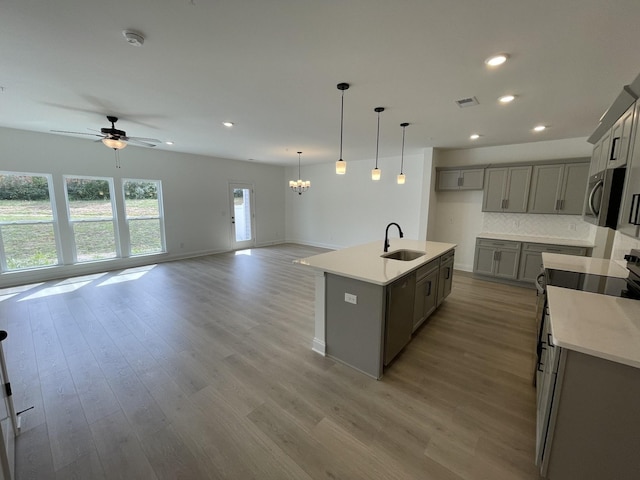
<point>271,66</point>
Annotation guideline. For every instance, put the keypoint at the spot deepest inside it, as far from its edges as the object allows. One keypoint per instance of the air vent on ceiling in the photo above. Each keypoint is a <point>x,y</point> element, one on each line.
<point>467,102</point>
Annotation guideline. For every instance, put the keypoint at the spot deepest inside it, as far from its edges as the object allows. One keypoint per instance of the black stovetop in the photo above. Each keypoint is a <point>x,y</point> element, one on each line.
<point>586,282</point>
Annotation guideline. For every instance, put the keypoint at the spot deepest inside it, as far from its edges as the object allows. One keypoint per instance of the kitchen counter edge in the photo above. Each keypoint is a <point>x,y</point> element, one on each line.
<point>365,263</point>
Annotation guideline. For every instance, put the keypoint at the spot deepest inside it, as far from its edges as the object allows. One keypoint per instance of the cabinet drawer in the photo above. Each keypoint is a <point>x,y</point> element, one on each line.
<point>563,249</point>
<point>502,244</point>
<point>447,256</point>
<point>427,268</point>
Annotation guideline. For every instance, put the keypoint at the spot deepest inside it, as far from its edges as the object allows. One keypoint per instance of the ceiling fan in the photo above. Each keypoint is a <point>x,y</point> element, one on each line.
<point>114,138</point>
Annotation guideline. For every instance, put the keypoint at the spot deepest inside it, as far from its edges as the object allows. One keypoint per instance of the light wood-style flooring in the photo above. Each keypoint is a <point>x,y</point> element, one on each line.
<point>203,369</point>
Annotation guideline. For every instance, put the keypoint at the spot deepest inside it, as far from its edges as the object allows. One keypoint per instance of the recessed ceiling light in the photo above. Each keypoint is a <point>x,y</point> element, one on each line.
<point>169,143</point>
<point>496,60</point>
<point>474,136</point>
<point>507,98</point>
<point>539,128</point>
<point>228,124</point>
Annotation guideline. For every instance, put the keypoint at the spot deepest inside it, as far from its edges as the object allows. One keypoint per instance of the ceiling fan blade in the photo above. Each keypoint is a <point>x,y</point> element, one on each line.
<point>145,139</point>
<point>76,133</point>
<point>137,141</point>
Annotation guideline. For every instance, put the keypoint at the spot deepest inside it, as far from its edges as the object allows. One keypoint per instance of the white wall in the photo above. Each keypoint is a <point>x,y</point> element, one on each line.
<point>457,217</point>
<point>195,190</point>
<point>344,210</point>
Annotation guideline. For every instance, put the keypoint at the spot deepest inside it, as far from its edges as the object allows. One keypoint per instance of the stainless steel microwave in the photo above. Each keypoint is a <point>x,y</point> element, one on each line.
<point>604,194</point>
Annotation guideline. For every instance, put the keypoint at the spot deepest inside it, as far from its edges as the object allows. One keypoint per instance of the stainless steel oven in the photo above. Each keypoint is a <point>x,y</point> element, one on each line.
<point>604,194</point>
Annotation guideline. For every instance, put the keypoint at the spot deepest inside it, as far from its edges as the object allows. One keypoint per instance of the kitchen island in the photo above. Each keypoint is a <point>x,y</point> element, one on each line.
<point>367,306</point>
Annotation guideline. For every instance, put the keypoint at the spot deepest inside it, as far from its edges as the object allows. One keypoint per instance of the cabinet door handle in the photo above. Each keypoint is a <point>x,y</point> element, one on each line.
<point>448,273</point>
<point>613,148</point>
<point>561,204</point>
<point>460,181</point>
<point>634,214</point>
<point>506,203</point>
<point>557,205</point>
<point>549,342</point>
<point>428,293</point>
<point>540,364</point>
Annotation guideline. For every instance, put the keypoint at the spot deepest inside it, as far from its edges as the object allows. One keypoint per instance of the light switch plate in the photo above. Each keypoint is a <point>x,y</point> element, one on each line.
<point>350,298</point>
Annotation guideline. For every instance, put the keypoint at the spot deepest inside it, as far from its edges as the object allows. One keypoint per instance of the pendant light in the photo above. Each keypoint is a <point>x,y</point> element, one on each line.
<point>375,173</point>
<point>299,186</point>
<point>341,165</point>
<point>401,177</point>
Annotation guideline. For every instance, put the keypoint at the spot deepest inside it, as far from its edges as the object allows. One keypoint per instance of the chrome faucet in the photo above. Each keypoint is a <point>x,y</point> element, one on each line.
<point>386,235</point>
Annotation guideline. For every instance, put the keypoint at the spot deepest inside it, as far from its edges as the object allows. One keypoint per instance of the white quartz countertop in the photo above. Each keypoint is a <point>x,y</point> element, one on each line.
<point>570,242</point>
<point>603,326</point>
<point>594,266</point>
<point>364,262</point>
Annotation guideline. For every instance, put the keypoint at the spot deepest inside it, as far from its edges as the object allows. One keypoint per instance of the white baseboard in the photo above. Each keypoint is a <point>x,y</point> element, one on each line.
<point>319,347</point>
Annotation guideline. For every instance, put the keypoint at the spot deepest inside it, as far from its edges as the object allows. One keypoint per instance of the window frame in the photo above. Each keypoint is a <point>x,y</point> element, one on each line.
<point>113,219</point>
<point>160,217</point>
<point>53,222</point>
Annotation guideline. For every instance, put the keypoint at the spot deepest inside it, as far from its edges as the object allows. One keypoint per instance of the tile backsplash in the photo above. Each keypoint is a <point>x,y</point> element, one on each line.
<point>622,244</point>
<point>555,226</point>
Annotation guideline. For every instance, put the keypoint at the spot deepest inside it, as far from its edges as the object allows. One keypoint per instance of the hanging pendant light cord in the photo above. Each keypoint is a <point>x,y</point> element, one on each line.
<point>402,154</point>
<point>377,139</point>
<point>341,122</point>
<point>299,176</point>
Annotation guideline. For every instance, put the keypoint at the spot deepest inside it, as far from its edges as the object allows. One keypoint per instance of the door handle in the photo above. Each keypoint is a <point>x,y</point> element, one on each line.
<point>428,293</point>
<point>613,149</point>
<point>594,211</point>
<point>634,214</point>
<point>448,273</point>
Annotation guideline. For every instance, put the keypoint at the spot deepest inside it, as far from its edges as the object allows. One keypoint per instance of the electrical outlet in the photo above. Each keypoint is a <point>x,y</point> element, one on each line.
<point>350,298</point>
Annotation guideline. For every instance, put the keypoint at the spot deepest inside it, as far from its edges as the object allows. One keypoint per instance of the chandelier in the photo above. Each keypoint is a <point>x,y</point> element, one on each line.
<point>299,185</point>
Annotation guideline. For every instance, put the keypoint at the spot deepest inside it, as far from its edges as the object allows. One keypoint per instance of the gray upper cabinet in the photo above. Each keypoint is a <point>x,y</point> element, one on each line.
<point>463,179</point>
<point>558,188</point>
<point>600,153</point>
<point>620,140</point>
<point>506,189</point>
<point>629,221</point>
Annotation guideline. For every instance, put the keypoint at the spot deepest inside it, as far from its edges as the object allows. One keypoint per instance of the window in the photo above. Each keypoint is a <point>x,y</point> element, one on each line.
<point>27,222</point>
<point>91,217</point>
<point>143,207</point>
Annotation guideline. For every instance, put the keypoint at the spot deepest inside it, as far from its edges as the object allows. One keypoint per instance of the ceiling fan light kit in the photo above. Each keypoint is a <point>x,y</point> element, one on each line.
<point>114,143</point>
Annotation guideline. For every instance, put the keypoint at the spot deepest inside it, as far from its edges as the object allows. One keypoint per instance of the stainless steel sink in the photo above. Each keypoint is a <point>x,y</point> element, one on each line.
<point>403,255</point>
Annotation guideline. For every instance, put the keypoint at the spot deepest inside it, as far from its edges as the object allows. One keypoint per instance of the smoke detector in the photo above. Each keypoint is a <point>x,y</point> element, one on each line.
<point>133,38</point>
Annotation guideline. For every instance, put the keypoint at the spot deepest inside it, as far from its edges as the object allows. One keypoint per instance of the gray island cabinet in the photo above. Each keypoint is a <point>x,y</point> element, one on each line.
<point>367,306</point>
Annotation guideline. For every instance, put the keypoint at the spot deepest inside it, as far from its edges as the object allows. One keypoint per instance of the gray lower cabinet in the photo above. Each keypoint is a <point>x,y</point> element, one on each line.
<point>531,258</point>
<point>558,188</point>
<point>445,278</point>
<point>590,422</point>
<point>506,189</point>
<point>426,299</point>
<point>497,258</point>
